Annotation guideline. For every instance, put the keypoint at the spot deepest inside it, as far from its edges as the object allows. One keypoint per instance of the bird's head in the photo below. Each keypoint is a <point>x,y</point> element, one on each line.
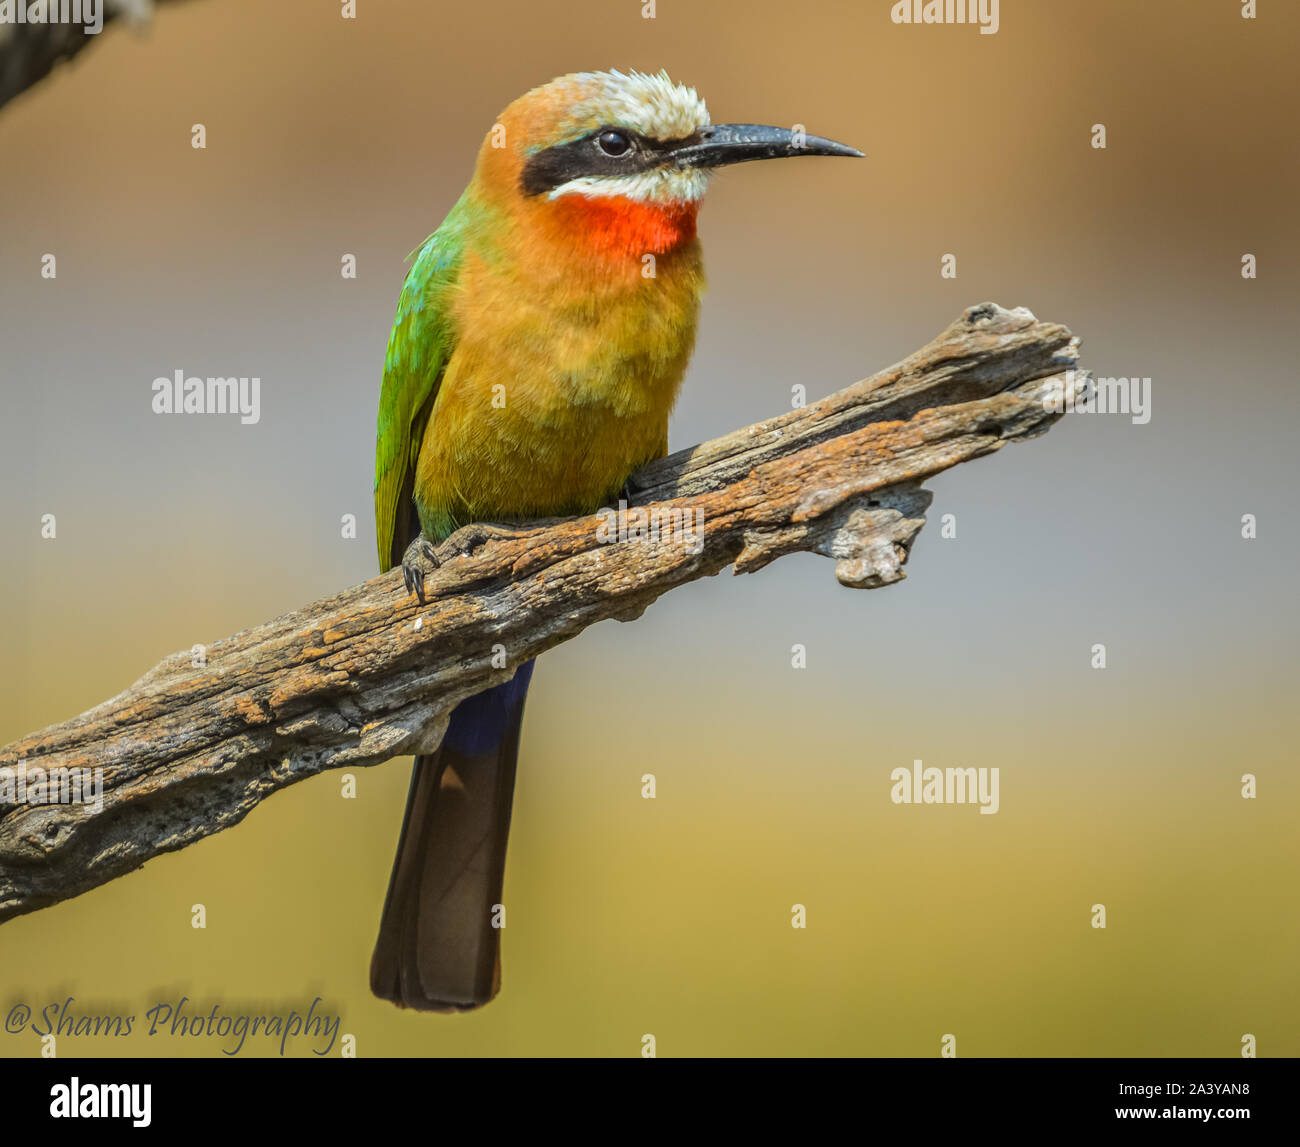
<point>622,158</point>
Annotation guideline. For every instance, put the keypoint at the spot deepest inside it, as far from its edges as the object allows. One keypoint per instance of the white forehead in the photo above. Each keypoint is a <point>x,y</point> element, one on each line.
<point>652,105</point>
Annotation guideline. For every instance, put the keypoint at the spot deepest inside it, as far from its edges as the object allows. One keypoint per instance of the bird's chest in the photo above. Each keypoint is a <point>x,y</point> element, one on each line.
<point>552,397</point>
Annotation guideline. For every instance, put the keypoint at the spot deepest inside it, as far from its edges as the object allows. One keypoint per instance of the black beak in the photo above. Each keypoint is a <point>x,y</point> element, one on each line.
<point>723,143</point>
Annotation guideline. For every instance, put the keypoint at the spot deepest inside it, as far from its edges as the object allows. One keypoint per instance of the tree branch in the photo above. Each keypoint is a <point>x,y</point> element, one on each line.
<point>370,673</point>
<point>29,52</point>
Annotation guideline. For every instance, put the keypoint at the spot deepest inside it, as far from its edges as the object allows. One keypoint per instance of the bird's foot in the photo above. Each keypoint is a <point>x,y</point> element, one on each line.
<point>477,534</point>
<point>422,556</point>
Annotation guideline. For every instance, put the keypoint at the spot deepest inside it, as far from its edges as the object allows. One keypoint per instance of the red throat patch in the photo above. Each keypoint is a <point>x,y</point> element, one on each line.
<point>618,227</point>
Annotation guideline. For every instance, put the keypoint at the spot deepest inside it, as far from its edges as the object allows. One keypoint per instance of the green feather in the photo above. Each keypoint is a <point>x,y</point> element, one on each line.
<point>419,346</point>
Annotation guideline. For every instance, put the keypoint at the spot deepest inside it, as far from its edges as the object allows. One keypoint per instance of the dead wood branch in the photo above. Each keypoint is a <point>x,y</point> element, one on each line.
<point>370,673</point>
<point>31,51</point>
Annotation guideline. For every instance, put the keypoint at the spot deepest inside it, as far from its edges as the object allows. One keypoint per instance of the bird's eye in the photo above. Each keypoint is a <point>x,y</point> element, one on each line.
<point>614,143</point>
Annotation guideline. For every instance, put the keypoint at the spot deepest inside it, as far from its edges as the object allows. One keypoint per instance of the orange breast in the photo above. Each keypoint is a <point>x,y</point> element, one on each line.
<point>570,354</point>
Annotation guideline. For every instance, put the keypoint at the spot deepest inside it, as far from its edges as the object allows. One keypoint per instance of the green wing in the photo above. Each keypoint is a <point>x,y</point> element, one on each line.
<point>419,346</point>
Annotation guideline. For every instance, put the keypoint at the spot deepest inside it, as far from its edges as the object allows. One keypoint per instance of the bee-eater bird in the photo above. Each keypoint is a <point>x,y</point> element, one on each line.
<point>540,340</point>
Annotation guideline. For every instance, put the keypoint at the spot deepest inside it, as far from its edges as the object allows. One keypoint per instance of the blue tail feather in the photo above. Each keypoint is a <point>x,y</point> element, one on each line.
<point>478,723</point>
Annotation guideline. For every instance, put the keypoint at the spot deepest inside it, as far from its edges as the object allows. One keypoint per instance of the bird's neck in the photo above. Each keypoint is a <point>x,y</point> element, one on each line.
<point>575,244</point>
<point>618,230</point>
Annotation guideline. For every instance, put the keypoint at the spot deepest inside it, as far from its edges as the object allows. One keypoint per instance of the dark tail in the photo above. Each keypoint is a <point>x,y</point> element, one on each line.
<point>438,949</point>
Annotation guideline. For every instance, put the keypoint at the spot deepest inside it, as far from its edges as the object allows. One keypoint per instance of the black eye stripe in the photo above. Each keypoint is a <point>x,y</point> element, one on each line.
<point>547,169</point>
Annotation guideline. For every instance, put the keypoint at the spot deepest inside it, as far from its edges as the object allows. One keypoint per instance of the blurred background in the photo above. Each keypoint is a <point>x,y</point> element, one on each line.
<point>329,136</point>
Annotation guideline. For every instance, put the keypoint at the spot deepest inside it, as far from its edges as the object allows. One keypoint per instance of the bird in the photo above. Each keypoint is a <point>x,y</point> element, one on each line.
<point>541,337</point>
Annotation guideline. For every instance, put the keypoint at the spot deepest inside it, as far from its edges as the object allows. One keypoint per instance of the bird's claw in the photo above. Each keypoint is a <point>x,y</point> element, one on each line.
<point>421,556</point>
<point>470,538</point>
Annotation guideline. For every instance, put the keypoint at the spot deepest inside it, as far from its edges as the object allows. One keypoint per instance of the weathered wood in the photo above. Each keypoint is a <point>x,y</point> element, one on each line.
<point>370,673</point>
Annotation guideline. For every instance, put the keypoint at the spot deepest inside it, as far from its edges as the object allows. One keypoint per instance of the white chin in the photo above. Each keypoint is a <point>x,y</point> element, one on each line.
<point>663,185</point>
